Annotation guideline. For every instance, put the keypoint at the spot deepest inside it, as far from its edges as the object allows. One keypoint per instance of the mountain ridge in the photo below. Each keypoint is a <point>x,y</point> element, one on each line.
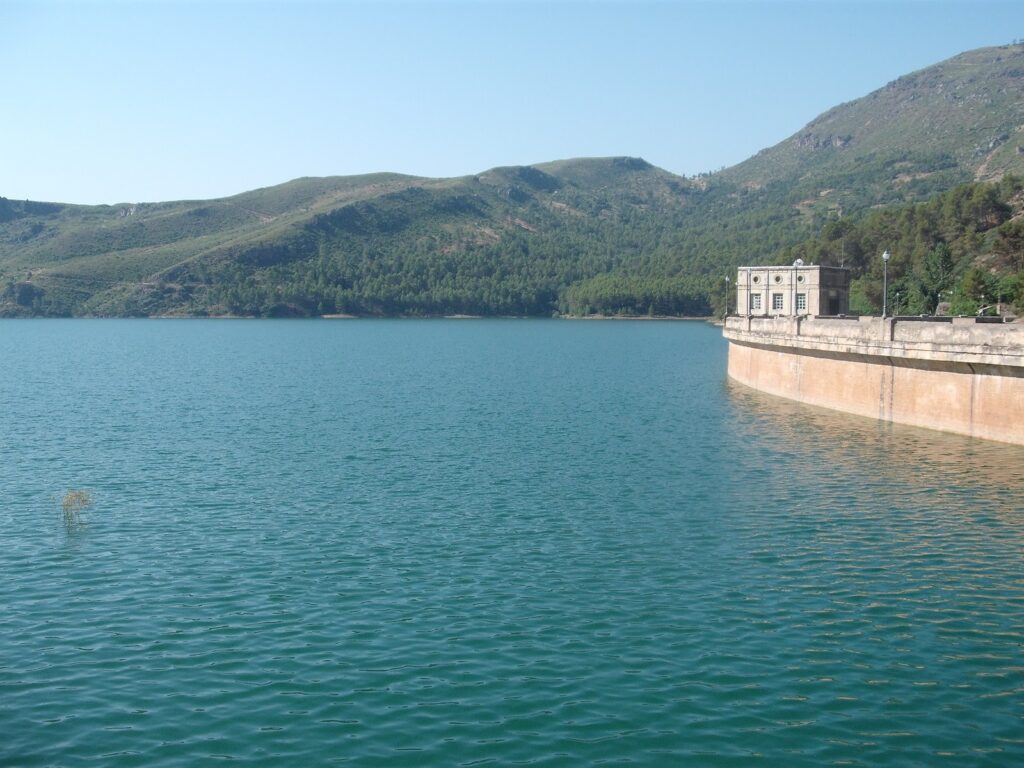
<point>514,239</point>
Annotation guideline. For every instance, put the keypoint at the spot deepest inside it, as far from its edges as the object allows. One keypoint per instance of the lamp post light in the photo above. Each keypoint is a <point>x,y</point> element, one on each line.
<point>885,282</point>
<point>727,296</point>
<point>897,310</point>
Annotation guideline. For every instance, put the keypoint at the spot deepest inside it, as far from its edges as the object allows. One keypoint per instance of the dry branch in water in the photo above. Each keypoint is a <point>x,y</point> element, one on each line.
<point>73,503</point>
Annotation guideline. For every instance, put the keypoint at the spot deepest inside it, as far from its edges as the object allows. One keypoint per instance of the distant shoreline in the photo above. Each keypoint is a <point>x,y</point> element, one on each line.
<point>705,319</point>
<point>342,316</point>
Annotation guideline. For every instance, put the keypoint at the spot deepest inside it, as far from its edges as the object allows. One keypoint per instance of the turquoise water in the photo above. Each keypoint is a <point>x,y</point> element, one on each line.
<point>486,542</point>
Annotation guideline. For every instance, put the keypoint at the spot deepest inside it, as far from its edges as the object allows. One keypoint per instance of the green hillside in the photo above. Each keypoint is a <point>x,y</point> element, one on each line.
<point>584,235</point>
<point>504,242</point>
<point>964,246</point>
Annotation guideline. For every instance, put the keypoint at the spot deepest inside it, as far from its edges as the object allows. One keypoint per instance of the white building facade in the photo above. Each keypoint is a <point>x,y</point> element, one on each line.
<point>794,290</point>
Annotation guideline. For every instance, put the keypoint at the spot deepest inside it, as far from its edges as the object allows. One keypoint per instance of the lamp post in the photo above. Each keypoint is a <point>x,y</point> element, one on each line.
<point>727,296</point>
<point>897,310</point>
<point>885,282</point>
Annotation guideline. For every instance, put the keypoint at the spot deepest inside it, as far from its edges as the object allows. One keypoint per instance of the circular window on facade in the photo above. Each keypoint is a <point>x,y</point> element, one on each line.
<point>799,278</point>
<point>757,278</point>
<point>778,278</point>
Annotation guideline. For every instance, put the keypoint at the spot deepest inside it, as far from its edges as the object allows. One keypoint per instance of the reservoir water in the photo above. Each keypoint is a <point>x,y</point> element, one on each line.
<point>505,542</point>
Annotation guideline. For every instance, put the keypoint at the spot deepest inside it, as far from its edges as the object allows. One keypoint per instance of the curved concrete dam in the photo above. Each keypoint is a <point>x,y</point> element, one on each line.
<point>953,374</point>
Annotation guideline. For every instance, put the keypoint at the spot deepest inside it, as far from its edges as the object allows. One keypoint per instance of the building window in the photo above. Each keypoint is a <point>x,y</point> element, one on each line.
<point>801,302</point>
<point>755,301</point>
<point>776,301</point>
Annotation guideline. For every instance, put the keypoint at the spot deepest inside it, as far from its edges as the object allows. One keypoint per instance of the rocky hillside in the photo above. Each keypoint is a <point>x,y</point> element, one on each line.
<point>957,121</point>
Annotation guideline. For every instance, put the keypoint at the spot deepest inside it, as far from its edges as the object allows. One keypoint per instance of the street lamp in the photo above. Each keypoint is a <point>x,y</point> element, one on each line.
<point>897,312</point>
<point>885,282</point>
<point>727,296</point>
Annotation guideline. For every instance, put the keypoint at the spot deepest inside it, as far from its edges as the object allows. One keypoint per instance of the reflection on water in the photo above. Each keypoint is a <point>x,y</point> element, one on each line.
<point>887,561</point>
<point>871,451</point>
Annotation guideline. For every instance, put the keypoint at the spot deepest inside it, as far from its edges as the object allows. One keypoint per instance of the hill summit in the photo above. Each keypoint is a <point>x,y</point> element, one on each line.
<point>957,121</point>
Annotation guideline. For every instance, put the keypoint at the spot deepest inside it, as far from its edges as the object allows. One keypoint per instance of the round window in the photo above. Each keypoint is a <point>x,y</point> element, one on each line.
<point>800,278</point>
<point>778,278</point>
<point>757,278</point>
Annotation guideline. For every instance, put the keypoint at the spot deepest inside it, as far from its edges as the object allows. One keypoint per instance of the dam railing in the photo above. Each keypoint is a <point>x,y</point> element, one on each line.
<point>950,339</point>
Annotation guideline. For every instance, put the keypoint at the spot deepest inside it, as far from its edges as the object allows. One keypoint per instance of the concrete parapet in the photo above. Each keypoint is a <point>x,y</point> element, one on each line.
<point>955,340</point>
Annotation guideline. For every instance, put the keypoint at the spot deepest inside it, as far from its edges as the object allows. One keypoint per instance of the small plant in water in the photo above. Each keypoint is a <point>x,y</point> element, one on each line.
<point>73,503</point>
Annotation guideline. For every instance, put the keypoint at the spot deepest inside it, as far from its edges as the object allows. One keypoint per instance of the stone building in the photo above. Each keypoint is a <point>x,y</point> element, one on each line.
<point>794,290</point>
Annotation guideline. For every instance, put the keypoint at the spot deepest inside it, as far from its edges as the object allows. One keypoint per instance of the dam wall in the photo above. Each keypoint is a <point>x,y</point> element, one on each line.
<point>958,375</point>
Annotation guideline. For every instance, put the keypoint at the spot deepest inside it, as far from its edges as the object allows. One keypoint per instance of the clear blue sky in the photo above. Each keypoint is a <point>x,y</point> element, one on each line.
<point>108,102</point>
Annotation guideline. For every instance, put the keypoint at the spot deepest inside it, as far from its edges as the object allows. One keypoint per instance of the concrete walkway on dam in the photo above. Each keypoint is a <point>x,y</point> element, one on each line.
<point>963,375</point>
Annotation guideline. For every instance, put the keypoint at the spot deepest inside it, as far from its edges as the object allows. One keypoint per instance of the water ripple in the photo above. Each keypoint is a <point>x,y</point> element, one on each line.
<point>495,543</point>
